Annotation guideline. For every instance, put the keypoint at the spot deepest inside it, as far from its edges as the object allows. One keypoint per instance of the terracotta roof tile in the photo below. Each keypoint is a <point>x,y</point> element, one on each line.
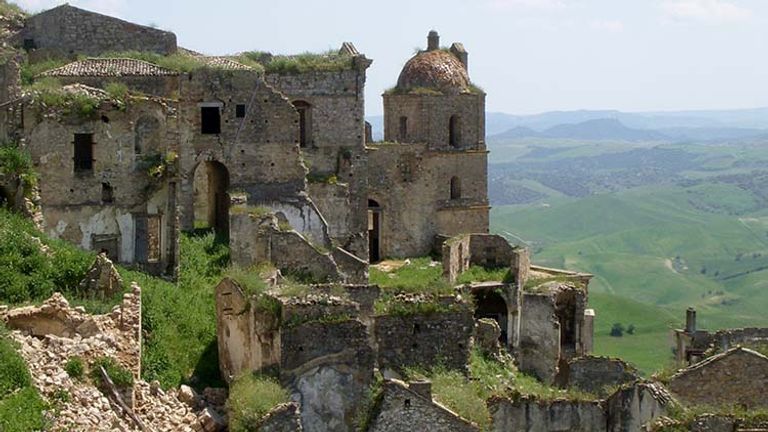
<point>109,67</point>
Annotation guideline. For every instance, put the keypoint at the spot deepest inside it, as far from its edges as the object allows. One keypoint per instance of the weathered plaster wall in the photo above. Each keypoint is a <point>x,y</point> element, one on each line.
<point>329,379</point>
<point>539,349</point>
<point>630,409</point>
<point>67,31</point>
<point>596,374</point>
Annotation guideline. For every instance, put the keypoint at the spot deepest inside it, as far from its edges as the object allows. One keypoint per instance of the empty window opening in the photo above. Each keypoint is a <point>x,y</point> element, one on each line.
<point>455,188</point>
<point>403,129</point>
<point>29,44</point>
<point>491,304</point>
<point>210,120</point>
<point>374,231</point>
<point>107,193</point>
<point>83,152</point>
<point>454,131</point>
<point>305,122</point>
<point>240,111</point>
<point>565,310</point>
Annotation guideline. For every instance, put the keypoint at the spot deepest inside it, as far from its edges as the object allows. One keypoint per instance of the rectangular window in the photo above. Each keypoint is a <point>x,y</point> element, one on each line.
<point>107,193</point>
<point>403,129</point>
<point>240,111</point>
<point>29,44</point>
<point>210,120</point>
<point>83,152</point>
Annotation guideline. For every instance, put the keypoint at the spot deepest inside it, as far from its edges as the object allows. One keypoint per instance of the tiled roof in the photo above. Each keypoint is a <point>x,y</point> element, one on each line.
<point>437,69</point>
<point>109,67</point>
<point>224,63</point>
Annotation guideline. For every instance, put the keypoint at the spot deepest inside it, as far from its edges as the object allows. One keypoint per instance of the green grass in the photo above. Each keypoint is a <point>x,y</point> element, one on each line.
<point>251,396</point>
<point>329,61</point>
<point>417,277</point>
<point>482,274</point>
<point>21,408</point>
<point>120,376</point>
<point>632,240</point>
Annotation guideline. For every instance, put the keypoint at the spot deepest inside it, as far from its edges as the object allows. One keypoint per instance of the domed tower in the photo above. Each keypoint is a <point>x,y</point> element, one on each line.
<point>429,180</point>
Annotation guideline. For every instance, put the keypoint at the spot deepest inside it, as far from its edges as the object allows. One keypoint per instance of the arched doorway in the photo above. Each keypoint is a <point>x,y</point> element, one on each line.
<point>490,304</point>
<point>211,198</point>
<point>374,231</point>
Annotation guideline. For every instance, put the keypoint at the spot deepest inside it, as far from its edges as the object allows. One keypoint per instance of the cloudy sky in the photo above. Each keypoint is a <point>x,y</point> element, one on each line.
<point>529,55</point>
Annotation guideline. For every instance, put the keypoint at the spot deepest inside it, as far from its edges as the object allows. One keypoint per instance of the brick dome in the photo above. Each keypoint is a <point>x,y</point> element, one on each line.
<point>435,70</point>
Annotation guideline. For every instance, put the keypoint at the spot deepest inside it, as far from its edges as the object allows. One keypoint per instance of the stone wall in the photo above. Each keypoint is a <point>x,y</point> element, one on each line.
<point>532,415</point>
<point>632,408</point>
<point>161,86</point>
<point>424,340</point>
<point>282,418</point>
<point>485,250</point>
<point>597,374</point>
<point>137,210</point>
<point>402,409</point>
<point>539,347</point>
<point>725,340</point>
<point>67,31</point>
<point>736,377</point>
<point>336,146</point>
<point>412,186</point>
<point>328,366</point>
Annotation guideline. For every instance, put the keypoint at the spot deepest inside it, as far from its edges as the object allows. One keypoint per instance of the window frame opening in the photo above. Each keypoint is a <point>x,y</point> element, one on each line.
<point>83,153</point>
<point>210,120</point>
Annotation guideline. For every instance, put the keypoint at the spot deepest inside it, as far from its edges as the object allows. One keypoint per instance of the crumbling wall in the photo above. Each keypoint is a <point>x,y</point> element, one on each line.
<point>539,348</point>
<point>247,331</point>
<point>328,366</point>
<point>283,418</point>
<point>67,31</point>
<point>456,256</point>
<point>484,250</point>
<point>533,415</point>
<point>424,340</point>
<point>727,339</point>
<point>402,409</point>
<point>736,377</point>
<point>631,408</point>
<point>596,374</point>
<point>116,204</point>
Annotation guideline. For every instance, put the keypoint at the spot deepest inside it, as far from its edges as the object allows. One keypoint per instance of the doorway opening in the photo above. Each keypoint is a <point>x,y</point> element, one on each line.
<point>491,304</point>
<point>211,204</point>
<point>374,231</point>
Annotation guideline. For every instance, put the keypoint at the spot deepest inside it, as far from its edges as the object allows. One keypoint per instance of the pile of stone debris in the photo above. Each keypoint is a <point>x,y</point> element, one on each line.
<point>52,334</point>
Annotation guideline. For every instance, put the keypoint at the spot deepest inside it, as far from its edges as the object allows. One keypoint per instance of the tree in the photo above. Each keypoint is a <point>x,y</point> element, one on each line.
<point>617,330</point>
<point>631,329</point>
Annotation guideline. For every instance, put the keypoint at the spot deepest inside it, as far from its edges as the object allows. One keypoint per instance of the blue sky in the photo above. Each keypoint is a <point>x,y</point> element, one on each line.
<point>529,55</point>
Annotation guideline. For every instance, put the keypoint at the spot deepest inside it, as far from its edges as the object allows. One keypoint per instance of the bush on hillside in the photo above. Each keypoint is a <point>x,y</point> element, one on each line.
<point>251,396</point>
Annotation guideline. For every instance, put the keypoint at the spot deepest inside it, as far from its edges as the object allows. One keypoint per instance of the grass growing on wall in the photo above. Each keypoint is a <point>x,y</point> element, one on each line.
<point>251,396</point>
<point>422,275</point>
<point>330,61</point>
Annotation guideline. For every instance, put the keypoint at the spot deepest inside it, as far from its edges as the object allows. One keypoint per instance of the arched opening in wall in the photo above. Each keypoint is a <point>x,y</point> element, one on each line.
<point>374,231</point>
<point>565,311</point>
<point>454,131</point>
<point>455,188</point>
<point>143,134</point>
<point>305,122</point>
<point>403,134</point>
<point>490,304</point>
<point>211,205</point>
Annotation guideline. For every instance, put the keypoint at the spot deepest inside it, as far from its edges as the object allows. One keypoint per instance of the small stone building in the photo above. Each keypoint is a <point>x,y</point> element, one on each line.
<point>737,377</point>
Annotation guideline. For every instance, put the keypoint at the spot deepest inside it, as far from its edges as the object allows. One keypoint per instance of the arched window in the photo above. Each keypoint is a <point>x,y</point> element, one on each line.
<point>403,129</point>
<point>454,131</point>
<point>455,188</point>
<point>305,122</point>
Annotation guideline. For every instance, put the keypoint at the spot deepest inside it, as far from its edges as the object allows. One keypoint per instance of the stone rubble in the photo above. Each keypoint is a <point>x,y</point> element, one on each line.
<point>80,406</point>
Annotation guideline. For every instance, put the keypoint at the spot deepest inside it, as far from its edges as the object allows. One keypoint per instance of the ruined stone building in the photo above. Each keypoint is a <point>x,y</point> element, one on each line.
<point>219,139</point>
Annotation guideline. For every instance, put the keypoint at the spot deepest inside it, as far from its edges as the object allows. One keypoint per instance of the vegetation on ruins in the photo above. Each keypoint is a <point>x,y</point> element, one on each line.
<point>483,274</point>
<point>17,394</point>
<point>16,162</point>
<point>179,62</point>
<point>329,61</point>
<point>8,8</point>
<point>685,416</point>
<point>251,396</point>
<point>49,93</point>
<point>120,376</point>
<point>75,367</point>
<point>30,70</point>
<point>488,377</point>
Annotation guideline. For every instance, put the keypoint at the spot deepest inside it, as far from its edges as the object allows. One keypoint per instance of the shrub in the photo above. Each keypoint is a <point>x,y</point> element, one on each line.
<point>120,376</point>
<point>29,71</point>
<point>17,163</point>
<point>75,367</point>
<point>329,61</point>
<point>117,91</point>
<point>13,371</point>
<point>23,412</point>
<point>251,396</point>
<point>617,330</point>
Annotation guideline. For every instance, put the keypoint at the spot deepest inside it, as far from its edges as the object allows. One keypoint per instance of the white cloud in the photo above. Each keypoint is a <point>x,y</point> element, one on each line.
<point>707,11</point>
<point>612,26</point>
<point>547,5</point>
<point>109,7</point>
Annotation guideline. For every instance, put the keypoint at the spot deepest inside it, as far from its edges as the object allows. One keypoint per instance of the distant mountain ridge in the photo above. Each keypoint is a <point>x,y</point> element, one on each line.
<point>599,129</point>
<point>674,125</point>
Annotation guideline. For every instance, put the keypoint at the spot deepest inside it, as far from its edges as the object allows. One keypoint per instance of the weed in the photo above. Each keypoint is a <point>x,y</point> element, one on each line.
<point>75,367</point>
<point>251,396</point>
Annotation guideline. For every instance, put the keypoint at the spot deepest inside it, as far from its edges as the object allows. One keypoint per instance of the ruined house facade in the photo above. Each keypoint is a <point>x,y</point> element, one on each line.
<point>128,175</point>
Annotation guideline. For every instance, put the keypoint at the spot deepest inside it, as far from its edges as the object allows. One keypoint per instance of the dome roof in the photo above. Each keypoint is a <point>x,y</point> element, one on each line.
<point>436,70</point>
